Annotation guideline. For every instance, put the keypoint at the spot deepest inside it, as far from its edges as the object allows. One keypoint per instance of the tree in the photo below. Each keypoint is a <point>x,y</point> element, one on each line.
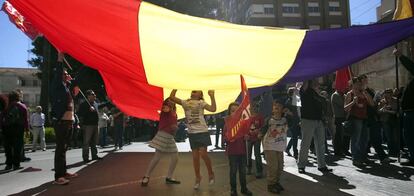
<point>45,60</point>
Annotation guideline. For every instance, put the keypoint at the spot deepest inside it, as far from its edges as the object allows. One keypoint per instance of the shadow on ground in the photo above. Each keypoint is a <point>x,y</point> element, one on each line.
<point>120,174</point>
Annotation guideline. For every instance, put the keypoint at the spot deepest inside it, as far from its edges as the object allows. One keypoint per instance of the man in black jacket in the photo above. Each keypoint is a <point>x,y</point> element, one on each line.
<point>407,106</point>
<point>88,116</point>
<point>312,125</point>
<point>62,116</point>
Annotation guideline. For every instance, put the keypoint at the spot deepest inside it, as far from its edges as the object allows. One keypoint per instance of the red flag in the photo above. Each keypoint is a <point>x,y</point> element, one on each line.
<point>237,125</point>
<point>342,78</point>
<point>20,21</point>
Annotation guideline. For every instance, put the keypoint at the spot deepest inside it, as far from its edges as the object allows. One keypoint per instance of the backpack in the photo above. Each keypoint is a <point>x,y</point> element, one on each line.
<point>11,117</point>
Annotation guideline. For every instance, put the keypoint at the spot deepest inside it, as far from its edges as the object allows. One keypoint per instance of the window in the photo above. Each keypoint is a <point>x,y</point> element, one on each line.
<point>37,98</point>
<point>268,9</point>
<point>313,9</point>
<point>290,10</point>
<point>35,83</point>
<point>260,11</point>
<point>23,82</point>
<point>335,8</point>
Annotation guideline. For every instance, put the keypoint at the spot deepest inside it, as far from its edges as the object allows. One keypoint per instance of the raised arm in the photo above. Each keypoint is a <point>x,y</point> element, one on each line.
<point>175,99</point>
<point>212,107</point>
<point>369,98</point>
<point>405,61</point>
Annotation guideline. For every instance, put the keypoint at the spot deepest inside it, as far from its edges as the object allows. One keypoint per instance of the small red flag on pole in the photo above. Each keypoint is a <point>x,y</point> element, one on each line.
<point>237,125</point>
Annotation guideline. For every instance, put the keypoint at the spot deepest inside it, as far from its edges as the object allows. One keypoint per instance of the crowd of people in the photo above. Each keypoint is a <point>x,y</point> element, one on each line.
<point>356,119</point>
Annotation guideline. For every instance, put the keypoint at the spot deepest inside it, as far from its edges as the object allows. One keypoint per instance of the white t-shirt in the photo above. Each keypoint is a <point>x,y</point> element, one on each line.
<point>194,114</point>
<point>275,138</point>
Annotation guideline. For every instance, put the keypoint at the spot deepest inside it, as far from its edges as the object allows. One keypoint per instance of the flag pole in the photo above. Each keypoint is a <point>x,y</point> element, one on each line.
<point>397,85</point>
<point>80,90</point>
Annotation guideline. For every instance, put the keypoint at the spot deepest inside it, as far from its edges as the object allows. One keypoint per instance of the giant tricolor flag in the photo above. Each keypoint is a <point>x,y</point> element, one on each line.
<point>142,50</point>
<point>238,123</point>
<point>404,9</point>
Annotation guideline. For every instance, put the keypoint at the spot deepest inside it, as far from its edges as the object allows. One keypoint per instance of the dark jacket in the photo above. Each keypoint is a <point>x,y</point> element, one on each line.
<point>86,116</point>
<point>59,92</point>
<point>407,103</point>
<point>312,104</point>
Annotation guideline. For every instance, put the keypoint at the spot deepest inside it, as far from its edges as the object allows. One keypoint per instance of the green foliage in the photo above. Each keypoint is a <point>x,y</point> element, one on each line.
<point>50,135</point>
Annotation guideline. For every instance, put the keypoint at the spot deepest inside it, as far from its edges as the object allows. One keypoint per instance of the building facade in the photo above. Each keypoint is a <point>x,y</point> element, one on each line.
<point>299,14</point>
<point>381,67</point>
<point>24,79</point>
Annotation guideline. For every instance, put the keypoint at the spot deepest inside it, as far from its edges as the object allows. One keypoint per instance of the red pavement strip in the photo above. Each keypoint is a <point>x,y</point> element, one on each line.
<point>121,173</point>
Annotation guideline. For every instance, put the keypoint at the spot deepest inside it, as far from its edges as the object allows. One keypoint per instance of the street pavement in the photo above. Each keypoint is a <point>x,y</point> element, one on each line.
<point>120,172</point>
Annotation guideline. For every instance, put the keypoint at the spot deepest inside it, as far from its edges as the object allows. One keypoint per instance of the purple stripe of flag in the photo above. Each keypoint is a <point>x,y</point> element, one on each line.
<point>325,51</point>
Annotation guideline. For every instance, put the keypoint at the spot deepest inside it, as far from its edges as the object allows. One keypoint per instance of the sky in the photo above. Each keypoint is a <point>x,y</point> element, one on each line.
<point>14,45</point>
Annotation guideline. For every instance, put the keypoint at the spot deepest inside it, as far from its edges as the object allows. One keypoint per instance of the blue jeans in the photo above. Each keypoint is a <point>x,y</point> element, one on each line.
<point>102,136</point>
<point>359,139</point>
<point>375,138</point>
<point>293,142</point>
<point>237,163</point>
<point>312,129</point>
<point>409,132</point>
<point>119,132</point>
<point>258,158</point>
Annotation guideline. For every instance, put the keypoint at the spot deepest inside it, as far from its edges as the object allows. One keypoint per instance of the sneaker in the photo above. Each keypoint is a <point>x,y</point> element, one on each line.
<point>211,180</point>
<point>26,159</point>
<point>197,184</point>
<point>145,181</point>
<point>85,161</point>
<point>325,169</point>
<point>272,189</point>
<point>367,161</point>
<point>386,160</point>
<point>8,167</point>
<point>171,181</point>
<point>97,158</point>
<point>408,163</point>
<point>116,148</point>
<point>17,167</point>
<point>288,153</point>
<point>233,193</point>
<point>61,181</point>
<point>301,170</point>
<point>44,149</point>
<point>358,163</point>
<point>247,192</point>
<point>279,186</point>
<point>33,150</point>
<point>69,175</point>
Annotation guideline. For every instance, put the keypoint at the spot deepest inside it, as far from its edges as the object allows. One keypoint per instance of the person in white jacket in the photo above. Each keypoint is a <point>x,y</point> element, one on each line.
<point>103,126</point>
<point>37,122</point>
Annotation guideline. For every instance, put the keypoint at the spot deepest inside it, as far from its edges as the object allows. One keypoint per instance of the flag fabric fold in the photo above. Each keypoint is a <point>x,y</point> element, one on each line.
<point>404,9</point>
<point>342,78</point>
<point>143,51</point>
